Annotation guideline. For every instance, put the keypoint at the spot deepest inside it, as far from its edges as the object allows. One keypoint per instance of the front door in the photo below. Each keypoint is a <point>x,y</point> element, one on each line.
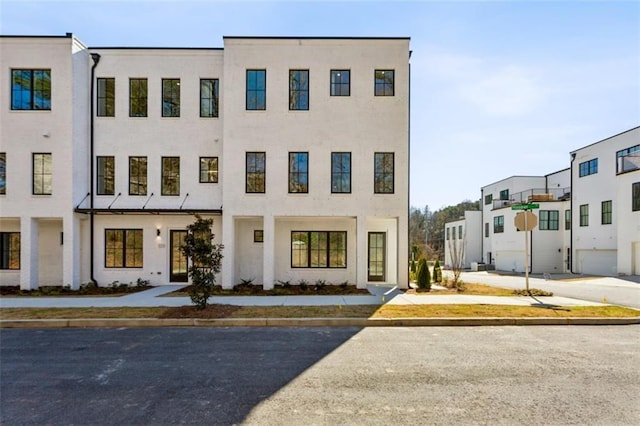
<point>178,260</point>
<point>377,251</point>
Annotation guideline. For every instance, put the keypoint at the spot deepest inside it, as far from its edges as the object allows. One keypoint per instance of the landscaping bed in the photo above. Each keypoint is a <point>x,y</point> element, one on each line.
<point>280,290</point>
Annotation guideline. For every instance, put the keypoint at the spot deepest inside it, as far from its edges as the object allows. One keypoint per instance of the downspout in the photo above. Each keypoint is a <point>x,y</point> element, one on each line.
<point>96,58</point>
<point>573,157</point>
<point>406,266</point>
<point>482,225</point>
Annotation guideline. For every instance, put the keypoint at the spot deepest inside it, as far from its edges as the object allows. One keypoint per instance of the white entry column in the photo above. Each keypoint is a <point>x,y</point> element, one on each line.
<point>362,252</point>
<point>29,264</point>
<point>268,255</point>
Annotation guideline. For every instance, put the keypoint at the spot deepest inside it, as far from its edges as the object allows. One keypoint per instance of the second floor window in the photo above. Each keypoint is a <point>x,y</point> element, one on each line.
<point>208,169</point>
<point>486,229</point>
<point>255,172</point>
<point>459,232</point>
<point>171,97</point>
<point>607,212</point>
<point>137,97</point>
<point>567,219</point>
<point>549,220</point>
<point>298,172</point>
<point>383,173</point>
<point>298,89</point>
<point>42,174</point>
<point>341,172</point>
<point>106,175</point>
<point>584,215</point>
<point>588,167</point>
<point>635,197</point>
<point>384,82</point>
<point>106,97</point>
<point>340,83</point>
<point>498,224</point>
<point>209,97</point>
<point>30,89</point>
<point>256,89</point>
<point>137,175</point>
<point>3,173</point>
<point>170,176</point>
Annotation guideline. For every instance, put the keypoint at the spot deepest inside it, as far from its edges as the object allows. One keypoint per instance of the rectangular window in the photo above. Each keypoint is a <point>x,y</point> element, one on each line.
<point>106,97</point>
<point>256,172</point>
<point>486,230</point>
<point>256,89</point>
<point>318,249</point>
<point>635,197</point>
<point>628,159</point>
<point>298,172</point>
<point>567,219</point>
<point>504,195</point>
<point>584,215</point>
<point>448,233</point>
<point>383,173</point>
<point>340,83</point>
<point>607,212</point>
<point>170,176</point>
<point>258,236</point>
<point>549,220</point>
<point>498,224</point>
<point>3,173</point>
<point>453,233</point>
<point>459,232</point>
<point>42,174</point>
<point>298,90</point>
<point>137,97</point>
<point>123,248</point>
<point>208,169</point>
<point>384,82</point>
<point>137,175</point>
<point>31,89</point>
<point>171,97</point>
<point>209,88</point>
<point>106,175</point>
<point>588,167</point>
<point>340,172</point>
<point>488,199</point>
<point>9,250</point>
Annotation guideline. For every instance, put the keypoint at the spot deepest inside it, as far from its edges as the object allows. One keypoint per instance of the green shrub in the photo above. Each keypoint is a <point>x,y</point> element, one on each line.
<point>437,272</point>
<point>532,292</point>
<point>423,275</point>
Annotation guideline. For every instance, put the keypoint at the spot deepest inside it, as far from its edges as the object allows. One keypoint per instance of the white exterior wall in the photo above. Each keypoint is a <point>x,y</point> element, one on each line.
<point>629,228</point>
<point>471,238</point>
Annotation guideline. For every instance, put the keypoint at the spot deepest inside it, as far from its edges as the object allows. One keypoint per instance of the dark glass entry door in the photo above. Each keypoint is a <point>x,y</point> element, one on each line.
<point>178,260</point>
<point>377,251</point>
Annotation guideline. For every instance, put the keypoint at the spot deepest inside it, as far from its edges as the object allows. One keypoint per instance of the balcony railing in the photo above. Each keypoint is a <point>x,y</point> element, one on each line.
<point>533,195</point>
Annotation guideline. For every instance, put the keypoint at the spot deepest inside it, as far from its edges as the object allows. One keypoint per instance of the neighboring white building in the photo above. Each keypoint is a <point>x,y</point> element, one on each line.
<point>463,240</point>
<point>297,147</point>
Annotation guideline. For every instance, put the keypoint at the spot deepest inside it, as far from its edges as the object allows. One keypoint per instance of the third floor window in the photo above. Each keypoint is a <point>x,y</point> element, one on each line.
<point>106,97</point>
<point>30,89</point>
<point>171,97</point>
<point>256,90</point>
<point>137,97</point>
<point>298,89</point>
<point>340,83</point>
<point>209,97</point>
<point>384,82</point>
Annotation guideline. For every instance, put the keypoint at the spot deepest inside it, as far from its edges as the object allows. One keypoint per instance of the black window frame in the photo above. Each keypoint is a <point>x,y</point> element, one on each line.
<point>338,174</point>
<point>106,97</point>
<point>337,84</point>
<point>171,177</point>
<point>105,176</point>
<point>498,224</point>
<point>380,184</point>
<point>170,97</point>
<point>488,199</point>
<point>212,173</point>
<point>635,196</point>
<point>43,176</point>
<point>620,156</point>
<point>382,87</point>
<point>549,220</point>
<point>32,104</point>
<point>448,233</point>
<point>298,172</point>
<point>486,229</point>
<point>299,90</point>
<point>140,88</point>
<point>9,254</point>
<point>3,173</point>
<point>504,195</point>
<point>320,252</point>
<point>258,236</point>
<point>141,178</point>
<point>584,214</point>
<point>606,212</point>
<point>125,249</point>
<point>567,219</point>
<point>209,105</point>
<point>256,97</point>
<point>254,173</point>
<point>587,168</point>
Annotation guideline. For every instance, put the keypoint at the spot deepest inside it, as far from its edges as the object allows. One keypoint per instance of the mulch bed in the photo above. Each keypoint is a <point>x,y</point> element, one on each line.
<point>281,290</point>
<point>52,291</point>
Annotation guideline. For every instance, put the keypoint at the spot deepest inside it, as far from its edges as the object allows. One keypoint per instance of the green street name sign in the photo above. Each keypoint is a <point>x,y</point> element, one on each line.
<point>529,206</point>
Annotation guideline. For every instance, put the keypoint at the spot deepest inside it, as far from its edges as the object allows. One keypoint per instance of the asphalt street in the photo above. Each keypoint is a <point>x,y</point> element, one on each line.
<point>321,376</point>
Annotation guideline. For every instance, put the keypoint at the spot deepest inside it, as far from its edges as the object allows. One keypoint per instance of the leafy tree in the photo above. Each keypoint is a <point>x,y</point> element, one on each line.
<point>423,278</point>
<point>206,260</point>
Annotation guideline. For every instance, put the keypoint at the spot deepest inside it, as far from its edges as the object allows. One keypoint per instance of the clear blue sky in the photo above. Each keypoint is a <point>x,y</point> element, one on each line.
<point>498,88</point>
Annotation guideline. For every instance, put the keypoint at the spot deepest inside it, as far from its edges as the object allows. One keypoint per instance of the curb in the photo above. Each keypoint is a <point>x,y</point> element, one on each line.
<point>311,322</point>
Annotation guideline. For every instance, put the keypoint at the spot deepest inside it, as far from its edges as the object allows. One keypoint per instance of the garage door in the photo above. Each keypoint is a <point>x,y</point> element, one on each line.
<point>597,262</point>
<point>635,261</point>
<point>510,260</point>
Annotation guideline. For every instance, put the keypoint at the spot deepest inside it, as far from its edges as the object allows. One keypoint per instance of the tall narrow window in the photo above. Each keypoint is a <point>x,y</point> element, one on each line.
<point>635,197</point>
<point>42,174</point>
<point>170,176</point>
<point>584,215</point>
<point>31,89</point>
<point>498,224</point>
<point>123,248</point>
<point>9,250</point>
<point>341,172</point>
<point>106,97</point>
<point>459,232</point>
<point>384,82</point>
<point>453,233</point>
<point>208,169</point>
<point>549,220</point>
<point>137,175</point>
<point>256,172</point>
<point>3,173</point>
<point>486,229</point>
<point>256,89</point>
<point>298,172</point>
<point>567,219</point>
<point>106,175</point>
<point>448,233</point>
<point>209,97</point>
<point>383,173</point>
<point>171,97</point>
<point>607,212</point>
<point>298,89</point>
<point>137,97</point>
<point>340,83</point>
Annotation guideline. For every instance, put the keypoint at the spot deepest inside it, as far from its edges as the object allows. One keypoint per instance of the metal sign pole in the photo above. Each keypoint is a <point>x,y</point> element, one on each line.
<point>526,252</point>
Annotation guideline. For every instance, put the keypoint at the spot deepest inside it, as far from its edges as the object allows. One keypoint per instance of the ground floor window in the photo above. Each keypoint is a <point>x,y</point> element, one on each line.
<point>9,250</point>
<point>319,249</point>
<point>123,248</point>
